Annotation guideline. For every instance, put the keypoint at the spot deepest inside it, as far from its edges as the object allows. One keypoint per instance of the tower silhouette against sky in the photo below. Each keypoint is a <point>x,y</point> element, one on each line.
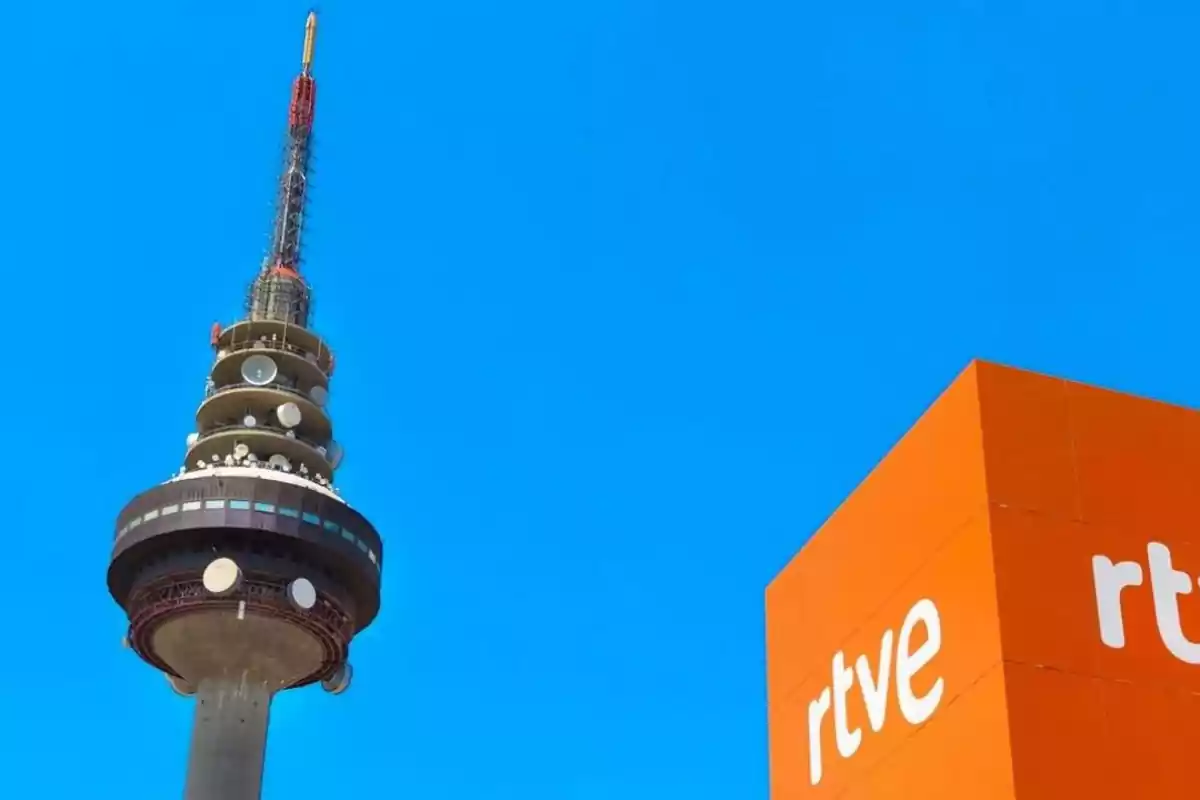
<point>246,574</point>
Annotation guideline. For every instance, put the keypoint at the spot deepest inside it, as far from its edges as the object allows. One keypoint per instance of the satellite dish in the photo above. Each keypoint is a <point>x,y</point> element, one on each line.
<point>253,459</point>
<point>335,454</point>
<point>288,414</point>
<point>339,680</point>
<point>222,576</point>
<point>290,434</point>
<point>241,451</point>
<point>180,686</point>
<point>259,370</point>
<point>280,462</point>
<point>319,395</point>
<point>249,421</point>
<point>302,594</point>
<point>192,439</point>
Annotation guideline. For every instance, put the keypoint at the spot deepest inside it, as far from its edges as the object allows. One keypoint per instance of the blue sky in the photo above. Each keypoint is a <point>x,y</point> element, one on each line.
<point>627,296</point>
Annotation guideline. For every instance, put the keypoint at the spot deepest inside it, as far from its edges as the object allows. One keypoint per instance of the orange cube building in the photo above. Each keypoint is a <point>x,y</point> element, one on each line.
<point>1007,607</point>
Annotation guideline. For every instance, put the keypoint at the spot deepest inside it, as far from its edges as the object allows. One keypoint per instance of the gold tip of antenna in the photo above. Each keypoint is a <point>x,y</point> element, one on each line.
<point>310,39</point>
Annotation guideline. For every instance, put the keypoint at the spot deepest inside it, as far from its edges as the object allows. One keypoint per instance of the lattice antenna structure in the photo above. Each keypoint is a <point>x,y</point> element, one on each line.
<point>279,291</point>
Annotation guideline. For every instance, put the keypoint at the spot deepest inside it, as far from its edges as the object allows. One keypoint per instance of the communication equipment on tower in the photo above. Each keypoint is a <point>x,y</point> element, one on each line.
<point>222,576</point>
<point>288,415</point>
<point>302,594</point>
<point>319,395</point>
<point>259,370</point>
<point>339,681</point>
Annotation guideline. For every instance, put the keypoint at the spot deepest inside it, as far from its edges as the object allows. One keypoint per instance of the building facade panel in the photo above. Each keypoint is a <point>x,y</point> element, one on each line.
<point>887,620</point>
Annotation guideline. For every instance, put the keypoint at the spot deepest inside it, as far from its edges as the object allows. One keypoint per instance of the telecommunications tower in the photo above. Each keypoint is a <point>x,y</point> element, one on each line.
<point>246,573</point>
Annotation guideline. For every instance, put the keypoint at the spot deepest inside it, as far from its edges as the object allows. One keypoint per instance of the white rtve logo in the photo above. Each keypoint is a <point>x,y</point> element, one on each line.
<point>1166,584</point>
<point>874,686</point>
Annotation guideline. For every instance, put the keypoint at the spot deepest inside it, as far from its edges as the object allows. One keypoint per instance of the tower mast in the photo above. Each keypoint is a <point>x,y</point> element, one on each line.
<point>247,574</point>
<point>280,292</point>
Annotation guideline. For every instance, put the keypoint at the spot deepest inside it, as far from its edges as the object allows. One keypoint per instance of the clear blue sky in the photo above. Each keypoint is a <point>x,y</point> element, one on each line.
<point>627,295</point>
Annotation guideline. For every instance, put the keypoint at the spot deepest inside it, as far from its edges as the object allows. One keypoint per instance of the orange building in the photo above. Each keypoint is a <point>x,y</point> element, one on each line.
<point>1001,609</point>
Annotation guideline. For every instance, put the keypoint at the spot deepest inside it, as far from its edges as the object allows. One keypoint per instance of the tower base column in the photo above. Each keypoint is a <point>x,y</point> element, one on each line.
<point>229,741</point>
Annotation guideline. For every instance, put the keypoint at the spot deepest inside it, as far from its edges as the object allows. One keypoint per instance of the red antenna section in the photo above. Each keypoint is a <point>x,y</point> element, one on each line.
<point>280,291</point>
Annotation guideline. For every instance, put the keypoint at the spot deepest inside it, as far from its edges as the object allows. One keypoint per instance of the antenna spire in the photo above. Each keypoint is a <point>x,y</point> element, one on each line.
<point>279,292</point>
<point>310,41</point>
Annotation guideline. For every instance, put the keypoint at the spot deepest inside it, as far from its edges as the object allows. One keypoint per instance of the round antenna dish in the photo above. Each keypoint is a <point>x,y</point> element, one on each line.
<point>259,370</point>
<point>280,462</point>
<point>336,454</point>
<point>241,451</point>
<point>288,414</point>
<point>302,594</point>
<point>192,439</point>
<point>180,686</point>
<point>222,576</point>
<point>319,395</point>
<point>249,421</point>
<point>339,681</point>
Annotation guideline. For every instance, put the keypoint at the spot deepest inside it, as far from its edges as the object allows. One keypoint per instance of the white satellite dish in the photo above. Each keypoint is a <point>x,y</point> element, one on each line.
<point>289,415</point>
<point>222,576</point>
<point>192,439</point>
<point>253,459</point>
<point>319,395</point>
<point>302,594</point>
<point>180,686</point>
<point>290,434</point>
<point>259,370</point>
<point>280,462</point>
<point>249,421</point>
<point>335,454</point>
<point>241,451</point>
<point>339,681</point>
